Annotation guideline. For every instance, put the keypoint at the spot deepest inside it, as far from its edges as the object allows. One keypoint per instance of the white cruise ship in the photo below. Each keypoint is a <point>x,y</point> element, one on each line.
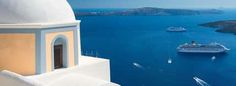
<point>202,48</point>
<point>176,29</point>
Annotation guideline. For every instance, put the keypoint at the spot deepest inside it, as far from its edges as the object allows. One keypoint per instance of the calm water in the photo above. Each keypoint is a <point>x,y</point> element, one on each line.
<point>139,48</point>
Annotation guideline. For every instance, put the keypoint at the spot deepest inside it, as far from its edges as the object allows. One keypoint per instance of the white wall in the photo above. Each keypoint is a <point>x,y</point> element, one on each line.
<point>95,67</point>
<point>8,78</point>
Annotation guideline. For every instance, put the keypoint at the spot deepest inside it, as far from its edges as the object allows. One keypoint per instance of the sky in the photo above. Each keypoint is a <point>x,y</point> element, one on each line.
<point>153,3</point>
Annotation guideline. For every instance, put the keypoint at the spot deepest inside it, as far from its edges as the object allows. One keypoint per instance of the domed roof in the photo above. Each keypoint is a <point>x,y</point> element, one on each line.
<point>35,11</point>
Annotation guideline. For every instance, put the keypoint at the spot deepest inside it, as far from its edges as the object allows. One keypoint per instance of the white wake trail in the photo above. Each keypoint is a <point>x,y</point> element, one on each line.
<point>200,82</point>
<point>137,65</point>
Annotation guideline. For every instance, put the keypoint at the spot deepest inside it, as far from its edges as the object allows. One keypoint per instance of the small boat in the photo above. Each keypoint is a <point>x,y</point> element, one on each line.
<point>176,29</point>
<point>169,61</point>
<point>202,48</point>
<point>213,58</point>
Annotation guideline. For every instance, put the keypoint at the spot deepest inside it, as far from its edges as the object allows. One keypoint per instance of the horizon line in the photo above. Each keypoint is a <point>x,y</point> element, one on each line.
<point>150,7</point>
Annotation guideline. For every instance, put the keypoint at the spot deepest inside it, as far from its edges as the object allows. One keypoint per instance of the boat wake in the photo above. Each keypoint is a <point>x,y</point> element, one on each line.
<point>200,82</point>
<point>138,65</point>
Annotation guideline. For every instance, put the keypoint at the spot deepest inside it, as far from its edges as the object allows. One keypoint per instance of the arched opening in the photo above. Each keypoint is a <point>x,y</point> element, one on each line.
<point>59,51</point>
<point>58,56</point>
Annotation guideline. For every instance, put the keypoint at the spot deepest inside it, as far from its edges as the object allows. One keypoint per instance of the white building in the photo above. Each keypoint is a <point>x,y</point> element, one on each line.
<point>40,46</point>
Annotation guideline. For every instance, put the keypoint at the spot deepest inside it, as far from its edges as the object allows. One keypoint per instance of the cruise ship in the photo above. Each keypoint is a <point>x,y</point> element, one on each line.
<point>176,29</point>
<point>202,48</point>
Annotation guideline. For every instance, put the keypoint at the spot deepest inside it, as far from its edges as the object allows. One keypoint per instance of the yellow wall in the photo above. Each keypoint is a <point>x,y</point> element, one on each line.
<point>17,53</point>
<point>70,46</point>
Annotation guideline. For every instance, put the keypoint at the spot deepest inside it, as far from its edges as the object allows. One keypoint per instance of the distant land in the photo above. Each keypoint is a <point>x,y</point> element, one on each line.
<point>226,26</point>
<point>150,11</point>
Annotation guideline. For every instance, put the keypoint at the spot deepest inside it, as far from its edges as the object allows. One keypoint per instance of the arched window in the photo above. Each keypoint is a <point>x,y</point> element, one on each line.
<point>59,53</point>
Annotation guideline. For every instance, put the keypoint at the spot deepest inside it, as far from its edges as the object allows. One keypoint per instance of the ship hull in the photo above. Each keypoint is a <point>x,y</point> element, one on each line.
<point>182,30</point>
<point>210,52</point>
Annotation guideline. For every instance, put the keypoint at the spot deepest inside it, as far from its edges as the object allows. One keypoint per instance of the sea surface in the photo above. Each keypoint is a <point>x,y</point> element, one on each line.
<point>142,53</point>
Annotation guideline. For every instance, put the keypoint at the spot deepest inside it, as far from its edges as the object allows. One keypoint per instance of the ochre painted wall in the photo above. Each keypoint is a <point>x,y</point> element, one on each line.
<point>49,38</point>
<point>17,53</point>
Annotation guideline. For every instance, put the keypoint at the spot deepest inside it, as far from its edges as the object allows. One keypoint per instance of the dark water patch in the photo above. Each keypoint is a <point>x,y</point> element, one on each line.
<point>144,40</point>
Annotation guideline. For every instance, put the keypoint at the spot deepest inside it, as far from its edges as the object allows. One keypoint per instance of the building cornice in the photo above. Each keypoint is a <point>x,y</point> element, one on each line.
<point>39,25</point>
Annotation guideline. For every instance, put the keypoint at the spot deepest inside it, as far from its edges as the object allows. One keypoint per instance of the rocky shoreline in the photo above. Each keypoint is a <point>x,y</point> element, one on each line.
<point>150,11</point>
<point>226,26</point>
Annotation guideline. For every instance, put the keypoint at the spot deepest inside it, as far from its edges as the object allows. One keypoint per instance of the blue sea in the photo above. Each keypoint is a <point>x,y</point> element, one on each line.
<point>139,49</point>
